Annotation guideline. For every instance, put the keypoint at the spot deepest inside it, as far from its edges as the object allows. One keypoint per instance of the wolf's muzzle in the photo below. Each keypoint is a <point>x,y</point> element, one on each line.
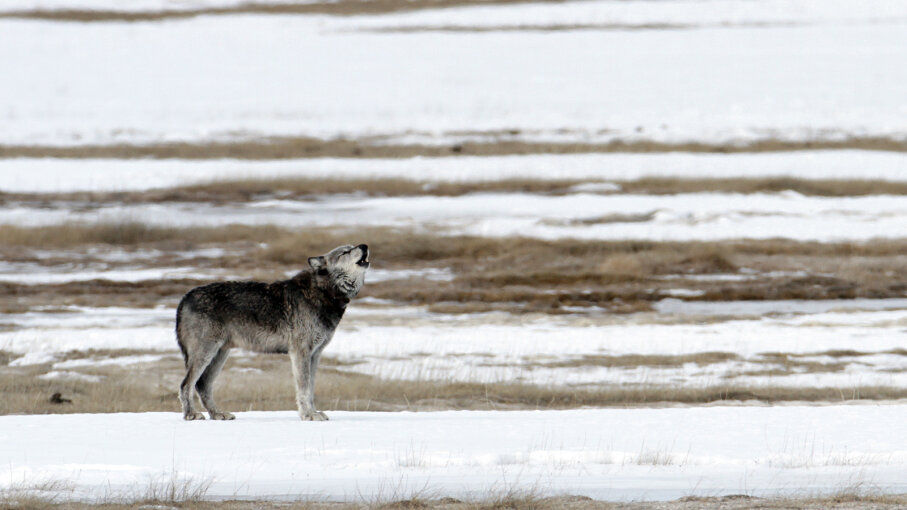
<point>364,260</point>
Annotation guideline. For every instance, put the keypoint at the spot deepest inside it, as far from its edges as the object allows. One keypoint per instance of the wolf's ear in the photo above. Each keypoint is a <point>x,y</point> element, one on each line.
<point>318,263</point>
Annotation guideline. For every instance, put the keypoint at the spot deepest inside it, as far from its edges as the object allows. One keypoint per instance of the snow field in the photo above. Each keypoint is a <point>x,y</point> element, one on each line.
<point>48,175</point>
<point>646,14</point>
<point>319,76</point>
<point>717,72</point>
<point>681,217</point>
<point>393,343</point>
<point>610,454</point>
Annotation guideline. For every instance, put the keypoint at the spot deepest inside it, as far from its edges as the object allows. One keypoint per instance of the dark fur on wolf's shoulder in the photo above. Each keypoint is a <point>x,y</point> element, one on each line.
<point>270,306</point>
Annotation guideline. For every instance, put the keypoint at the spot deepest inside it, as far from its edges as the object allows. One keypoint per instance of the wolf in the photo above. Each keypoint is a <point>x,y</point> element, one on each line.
<point>296,316</point>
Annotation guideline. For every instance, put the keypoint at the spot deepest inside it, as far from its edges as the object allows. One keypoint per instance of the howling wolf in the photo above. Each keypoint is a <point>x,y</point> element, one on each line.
<point>297,316</point>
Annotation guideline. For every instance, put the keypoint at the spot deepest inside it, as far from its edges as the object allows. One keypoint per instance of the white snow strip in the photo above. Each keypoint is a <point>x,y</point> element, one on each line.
<point>100,83</point>
<point>430,273</point>
<point>31,274</point>
<point>611,454</point>
<point>642,13</point>
<point>57,375</point>
<point>34,358</point>
<point>683,217</point>
<point>129,5</point>
<point>416,345</point>
<point>60,175</point>
<point>764,308</point>
<point>102,362</point>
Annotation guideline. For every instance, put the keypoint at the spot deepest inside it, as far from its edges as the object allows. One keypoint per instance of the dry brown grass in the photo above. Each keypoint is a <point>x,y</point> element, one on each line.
<point>338,8</point>
<point>130,233</point>
<point>403,246</point>
<point>304,147</point>
<point>246,190</point>
<point>264,382</point>
<point>18,298</point>
<point>514,274</point>
<point>809,187</point>
<point>642,360</point>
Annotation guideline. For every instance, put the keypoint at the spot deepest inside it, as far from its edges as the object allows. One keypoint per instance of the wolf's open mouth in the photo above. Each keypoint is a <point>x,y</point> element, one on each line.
<point>364,260</point>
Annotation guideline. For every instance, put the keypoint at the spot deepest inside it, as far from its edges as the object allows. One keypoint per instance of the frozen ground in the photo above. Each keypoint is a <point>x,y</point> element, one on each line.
<point>614,454</point>
<point>650,14</point>
<point>574,72</point>
<point>842,344</point>
<point>580,215</point>
<point>321,76</point>
<point>46,175</point>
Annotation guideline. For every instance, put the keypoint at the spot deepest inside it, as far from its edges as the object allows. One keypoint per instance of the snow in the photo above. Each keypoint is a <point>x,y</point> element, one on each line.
<point>13,273</point>
<point>63,375</point>
<point>33,358</point>
<point>728,71</point>
<point>105,361</point>
<point>681,217</point>
<point>125,5</point>
<point>611,454</point>
<point>645,14</point>
<point>319,76</point>
<point>392,342</point>
<point>61,175</point>
<point>29,273</point>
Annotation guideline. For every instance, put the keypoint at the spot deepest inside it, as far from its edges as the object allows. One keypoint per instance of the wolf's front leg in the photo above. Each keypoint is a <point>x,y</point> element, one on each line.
<point>303,372</point>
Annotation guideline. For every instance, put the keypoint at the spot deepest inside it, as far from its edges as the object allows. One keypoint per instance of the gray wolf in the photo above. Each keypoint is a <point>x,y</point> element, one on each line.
<point>296,316</point>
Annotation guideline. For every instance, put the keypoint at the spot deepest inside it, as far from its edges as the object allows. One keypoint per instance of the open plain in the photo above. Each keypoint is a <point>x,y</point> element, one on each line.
<point>643,254</point>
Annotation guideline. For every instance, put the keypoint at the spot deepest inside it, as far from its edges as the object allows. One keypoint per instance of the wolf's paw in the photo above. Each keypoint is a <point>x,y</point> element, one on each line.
<point>222,416</point>
<point>193,416</point>
<point>315,416</point>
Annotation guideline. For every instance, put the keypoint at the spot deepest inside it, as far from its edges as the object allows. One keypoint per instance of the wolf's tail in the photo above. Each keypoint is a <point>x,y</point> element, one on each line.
<point>179,338</point>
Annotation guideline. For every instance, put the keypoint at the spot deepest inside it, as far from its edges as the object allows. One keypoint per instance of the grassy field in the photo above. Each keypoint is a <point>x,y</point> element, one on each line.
<point>259,382</point>
<point>510,274</point>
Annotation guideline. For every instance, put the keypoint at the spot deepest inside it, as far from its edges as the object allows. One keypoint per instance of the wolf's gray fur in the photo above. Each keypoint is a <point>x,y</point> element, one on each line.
<point>297,316</point>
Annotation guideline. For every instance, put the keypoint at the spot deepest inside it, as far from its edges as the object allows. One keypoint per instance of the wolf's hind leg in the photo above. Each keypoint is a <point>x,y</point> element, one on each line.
<point>196,363</point>
<point>205,385</point>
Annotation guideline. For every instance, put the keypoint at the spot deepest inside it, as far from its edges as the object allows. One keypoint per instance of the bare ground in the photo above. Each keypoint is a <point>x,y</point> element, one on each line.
<point>506,274</point>
<point>338,8</point>
<point>250,190</point>
<point>259,382</point>
<point>307,147</point>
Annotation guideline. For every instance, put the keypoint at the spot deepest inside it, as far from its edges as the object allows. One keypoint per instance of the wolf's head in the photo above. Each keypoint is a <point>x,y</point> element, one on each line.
<point>345,265</point>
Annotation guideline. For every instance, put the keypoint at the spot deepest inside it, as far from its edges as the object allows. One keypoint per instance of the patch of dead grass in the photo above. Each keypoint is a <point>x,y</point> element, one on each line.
<point>642,360</point>
<point>512,274</point>
<point>808,187</point>
<point>336,8</point>
<point>264,382</point>
<point>307,147</point>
